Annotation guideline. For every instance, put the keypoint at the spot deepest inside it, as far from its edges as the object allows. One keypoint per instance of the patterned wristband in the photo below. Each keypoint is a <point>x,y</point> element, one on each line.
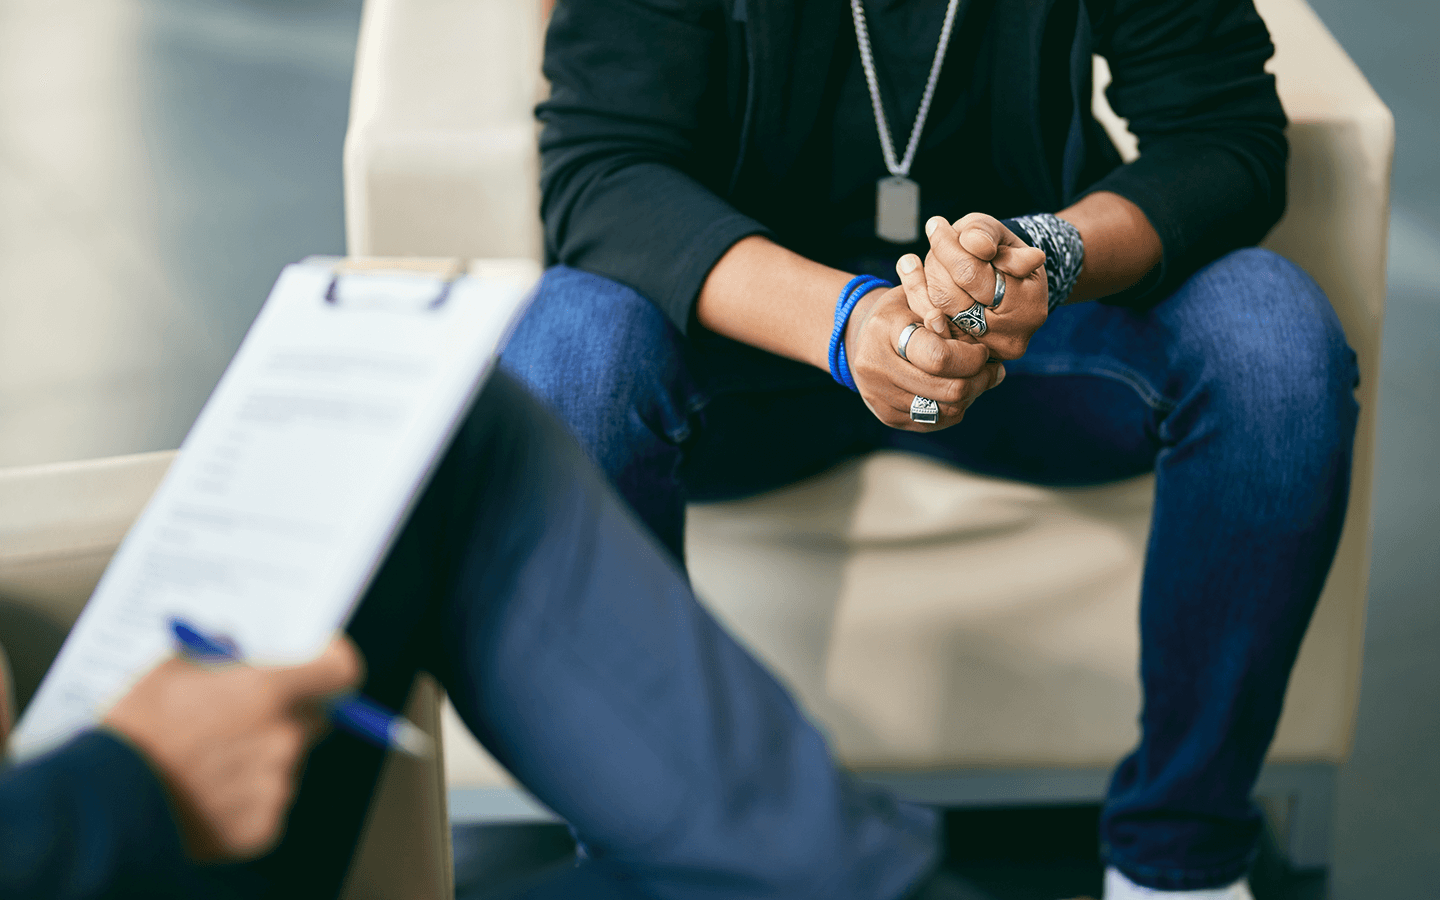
<point>1064,251</point>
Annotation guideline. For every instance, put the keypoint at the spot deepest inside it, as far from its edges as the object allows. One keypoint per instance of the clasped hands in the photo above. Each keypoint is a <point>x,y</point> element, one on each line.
<point>942,362</point>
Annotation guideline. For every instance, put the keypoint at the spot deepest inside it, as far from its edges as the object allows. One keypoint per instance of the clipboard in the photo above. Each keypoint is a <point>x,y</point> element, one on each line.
<point>296,476</point>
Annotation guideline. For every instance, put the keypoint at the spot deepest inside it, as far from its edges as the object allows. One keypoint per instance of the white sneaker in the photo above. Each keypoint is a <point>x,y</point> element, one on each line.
<point>1118,887</point>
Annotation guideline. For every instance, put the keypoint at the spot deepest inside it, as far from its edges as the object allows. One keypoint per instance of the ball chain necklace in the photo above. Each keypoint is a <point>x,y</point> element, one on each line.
<point>897,197</point>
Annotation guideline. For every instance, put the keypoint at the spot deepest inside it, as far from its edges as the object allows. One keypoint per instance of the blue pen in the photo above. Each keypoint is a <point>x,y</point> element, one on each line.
<point>360,716</point>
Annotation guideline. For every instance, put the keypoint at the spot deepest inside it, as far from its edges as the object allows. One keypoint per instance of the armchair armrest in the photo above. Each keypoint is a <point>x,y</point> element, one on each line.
<point>60,523</point>
<point>1335,227</point>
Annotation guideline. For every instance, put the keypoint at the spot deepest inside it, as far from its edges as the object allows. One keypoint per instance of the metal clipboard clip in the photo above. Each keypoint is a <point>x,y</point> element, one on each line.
<point>445,271</point>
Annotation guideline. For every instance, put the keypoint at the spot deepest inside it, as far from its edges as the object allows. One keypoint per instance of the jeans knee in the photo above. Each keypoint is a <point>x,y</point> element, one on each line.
<point>598,353</point>
<point>1268,334</point>
<point>584,329</point>
<point>1273,361</point>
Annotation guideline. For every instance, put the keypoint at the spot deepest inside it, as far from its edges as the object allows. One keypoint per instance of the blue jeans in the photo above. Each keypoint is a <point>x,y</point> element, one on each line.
<point>1237,391</point>
<point>573,648</point>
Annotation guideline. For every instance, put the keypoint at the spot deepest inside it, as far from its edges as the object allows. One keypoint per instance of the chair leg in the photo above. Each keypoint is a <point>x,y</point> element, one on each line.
<point>404,851</point>
<point>1305,795</point>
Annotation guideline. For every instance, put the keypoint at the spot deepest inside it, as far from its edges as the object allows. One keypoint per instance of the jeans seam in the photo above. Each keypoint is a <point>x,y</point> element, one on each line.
<point>1123,374</point>
<point>681,433</point>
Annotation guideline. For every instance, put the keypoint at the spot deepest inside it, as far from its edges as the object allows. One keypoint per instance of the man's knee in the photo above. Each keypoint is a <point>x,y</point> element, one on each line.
<point>1274,359</point>
<point>585,334</point>
<point>596,351</point>
<point>1269,336</point>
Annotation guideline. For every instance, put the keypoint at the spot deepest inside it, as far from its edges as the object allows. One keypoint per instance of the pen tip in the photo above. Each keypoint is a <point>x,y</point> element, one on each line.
<point>410,739</point>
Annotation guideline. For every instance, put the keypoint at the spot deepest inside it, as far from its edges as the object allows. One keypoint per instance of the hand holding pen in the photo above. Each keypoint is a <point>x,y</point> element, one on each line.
<point>357,715</point>
<point>229,743</point>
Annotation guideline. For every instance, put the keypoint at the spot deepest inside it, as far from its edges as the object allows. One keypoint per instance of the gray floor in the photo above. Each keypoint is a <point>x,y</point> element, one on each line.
<point>161,159</point>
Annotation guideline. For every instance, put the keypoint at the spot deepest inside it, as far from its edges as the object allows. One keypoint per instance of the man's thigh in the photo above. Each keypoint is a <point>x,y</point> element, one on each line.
<point>1246,350</point>
<point>648,403</point>
<point>1079,408</point>
<point>766,421</point>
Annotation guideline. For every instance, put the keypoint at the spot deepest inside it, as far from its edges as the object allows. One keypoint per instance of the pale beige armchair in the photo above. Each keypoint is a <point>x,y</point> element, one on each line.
<point>1004,690</point>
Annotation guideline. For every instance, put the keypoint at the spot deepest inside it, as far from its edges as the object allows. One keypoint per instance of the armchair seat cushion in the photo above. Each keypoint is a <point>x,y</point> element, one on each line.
<point>972,622</point>
<point>934,619</point>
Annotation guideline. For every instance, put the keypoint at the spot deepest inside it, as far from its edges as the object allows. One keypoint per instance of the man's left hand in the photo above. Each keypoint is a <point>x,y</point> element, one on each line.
<point>961,268</point>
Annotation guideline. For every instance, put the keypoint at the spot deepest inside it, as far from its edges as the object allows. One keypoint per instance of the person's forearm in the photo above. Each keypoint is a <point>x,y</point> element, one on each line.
<point>1121,245</point>
<point>88,820</point>
<point>763,295</point>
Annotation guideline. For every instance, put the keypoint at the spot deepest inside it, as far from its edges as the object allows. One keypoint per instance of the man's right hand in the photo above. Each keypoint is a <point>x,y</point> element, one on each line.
<point>952,372</point>
<point>764,295</point>
<point>230,743</point>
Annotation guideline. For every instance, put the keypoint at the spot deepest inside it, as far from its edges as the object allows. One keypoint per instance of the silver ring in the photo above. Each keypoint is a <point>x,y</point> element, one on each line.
<point>999,287</point>
<point>905,339</point>
<point>924,410</point>
<point>972,321</point>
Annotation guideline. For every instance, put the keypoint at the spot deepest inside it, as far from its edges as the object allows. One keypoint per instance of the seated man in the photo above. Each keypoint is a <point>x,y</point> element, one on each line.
<point>571,646</point>
<point>718,178</point>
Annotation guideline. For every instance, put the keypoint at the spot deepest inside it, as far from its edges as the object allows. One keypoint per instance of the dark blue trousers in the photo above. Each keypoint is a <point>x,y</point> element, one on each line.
<point>572,646</point>
<point>1237,391</point>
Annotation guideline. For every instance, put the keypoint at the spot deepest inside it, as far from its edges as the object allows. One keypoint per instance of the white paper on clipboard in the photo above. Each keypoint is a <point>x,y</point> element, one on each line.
<point>293,481</point>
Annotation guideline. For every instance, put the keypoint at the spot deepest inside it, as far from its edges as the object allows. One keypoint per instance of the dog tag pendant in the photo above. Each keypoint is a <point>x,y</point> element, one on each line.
<point>897,209</point>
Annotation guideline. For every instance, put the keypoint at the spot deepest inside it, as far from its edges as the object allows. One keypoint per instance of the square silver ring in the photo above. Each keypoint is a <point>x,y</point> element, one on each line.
<point>924,410</point>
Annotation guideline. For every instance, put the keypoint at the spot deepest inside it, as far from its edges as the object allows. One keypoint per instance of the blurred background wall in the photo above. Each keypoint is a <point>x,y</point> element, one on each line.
<point>160,160</point>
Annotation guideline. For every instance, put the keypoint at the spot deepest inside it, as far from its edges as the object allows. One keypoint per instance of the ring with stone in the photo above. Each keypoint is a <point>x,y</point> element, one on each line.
<point>905,339</point>
<point>999,287</point>
<point>924,410</point>
<point>971,321</point>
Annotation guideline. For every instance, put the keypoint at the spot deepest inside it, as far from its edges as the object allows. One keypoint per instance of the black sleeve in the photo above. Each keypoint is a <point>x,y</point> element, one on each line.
<point>1189,76</point>
<point>89,820</point>
<point>619,193</point>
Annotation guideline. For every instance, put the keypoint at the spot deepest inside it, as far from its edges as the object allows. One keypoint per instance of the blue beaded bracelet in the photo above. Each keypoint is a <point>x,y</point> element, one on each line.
<point>850,295</point>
